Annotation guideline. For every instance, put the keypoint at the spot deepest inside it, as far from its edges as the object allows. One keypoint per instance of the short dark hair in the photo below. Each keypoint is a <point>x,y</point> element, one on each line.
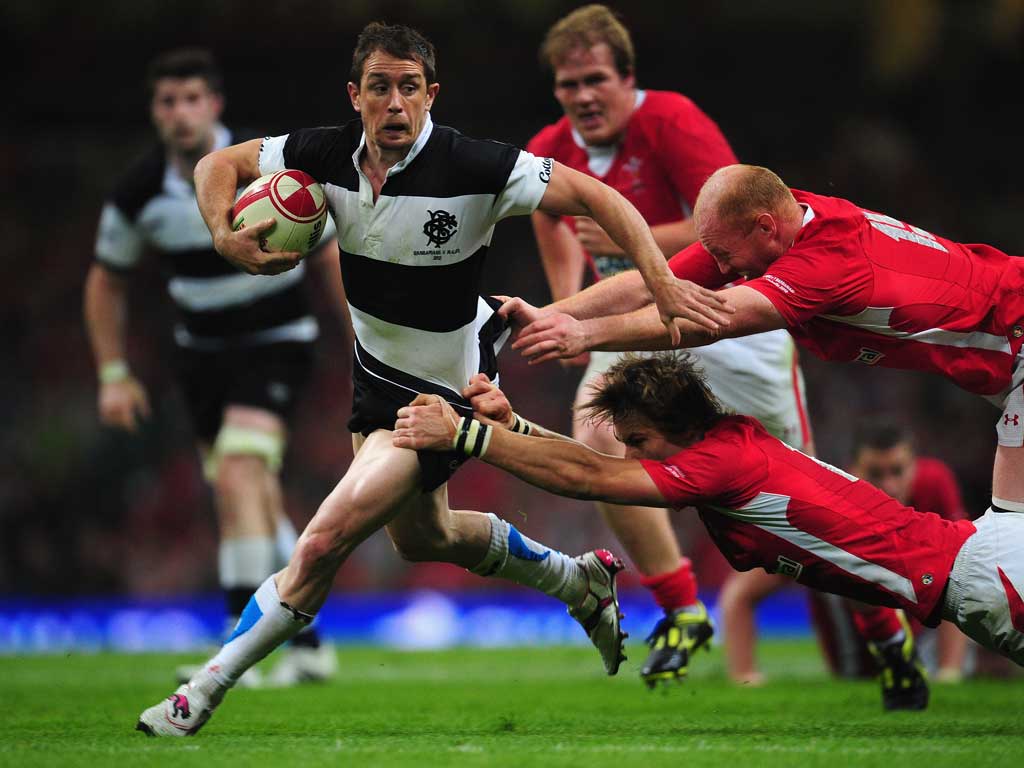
<point>880,433</point>
<point>667,390</point>
<point>181,63</point>
<point>396,40</point>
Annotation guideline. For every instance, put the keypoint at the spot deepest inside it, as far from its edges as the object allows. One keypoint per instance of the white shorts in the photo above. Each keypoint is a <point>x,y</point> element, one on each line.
<point>986,585</point>
<point>1010,427</point>
<point>753,376</point>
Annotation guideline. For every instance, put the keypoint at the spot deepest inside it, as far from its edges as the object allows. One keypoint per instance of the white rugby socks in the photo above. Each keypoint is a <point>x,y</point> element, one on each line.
<point>265,624</point>
<point>515,557</point>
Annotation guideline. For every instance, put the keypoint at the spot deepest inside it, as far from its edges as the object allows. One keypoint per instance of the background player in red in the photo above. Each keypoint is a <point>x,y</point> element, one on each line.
<point>765,504</point>
<point>883,454</point>
<point>656,148</point>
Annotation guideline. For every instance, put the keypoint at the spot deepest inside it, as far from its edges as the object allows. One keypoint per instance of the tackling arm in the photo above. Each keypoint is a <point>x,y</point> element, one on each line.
<point>571,193</point>
<point>561,466</point>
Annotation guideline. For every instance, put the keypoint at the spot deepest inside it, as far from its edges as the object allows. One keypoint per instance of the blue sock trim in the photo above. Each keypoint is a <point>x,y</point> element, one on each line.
<point>517,547</point>
<point>249,617</point>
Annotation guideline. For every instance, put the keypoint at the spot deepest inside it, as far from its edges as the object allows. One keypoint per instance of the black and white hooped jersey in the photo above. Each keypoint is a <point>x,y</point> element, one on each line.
<point>154,207</point>
<point>413,261</point>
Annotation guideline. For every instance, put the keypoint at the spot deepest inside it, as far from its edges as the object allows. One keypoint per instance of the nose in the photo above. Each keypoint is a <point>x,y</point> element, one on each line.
<point>395,102</point>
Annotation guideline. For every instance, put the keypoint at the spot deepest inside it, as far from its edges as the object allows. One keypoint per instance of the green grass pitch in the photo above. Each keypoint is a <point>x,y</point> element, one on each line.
<point>524,707</point>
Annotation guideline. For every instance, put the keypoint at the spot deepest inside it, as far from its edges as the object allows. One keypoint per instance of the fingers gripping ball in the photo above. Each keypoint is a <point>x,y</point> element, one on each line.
<point>294,200</point>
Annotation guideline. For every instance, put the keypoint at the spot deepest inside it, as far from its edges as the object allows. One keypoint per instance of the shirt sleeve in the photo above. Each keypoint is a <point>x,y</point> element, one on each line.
<point>805,283</point>
<point>525,187</point>
<point>692,148</point>
<point>695,264</point>
<point>119,244</point>
<point>694,475</point>
<point>313,150</point>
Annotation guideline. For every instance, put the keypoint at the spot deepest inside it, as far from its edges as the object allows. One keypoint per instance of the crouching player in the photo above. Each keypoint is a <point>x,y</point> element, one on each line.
<point>765,504</point>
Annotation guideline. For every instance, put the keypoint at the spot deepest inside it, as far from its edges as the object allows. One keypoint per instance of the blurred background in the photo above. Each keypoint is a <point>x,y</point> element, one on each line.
<point>911,107</point>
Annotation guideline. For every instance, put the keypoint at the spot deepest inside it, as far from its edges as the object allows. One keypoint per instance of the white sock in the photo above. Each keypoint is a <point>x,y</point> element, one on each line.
<point>285,539</point>
<point>265,624</point>
<point>518,558</point>
<point>245,561</point>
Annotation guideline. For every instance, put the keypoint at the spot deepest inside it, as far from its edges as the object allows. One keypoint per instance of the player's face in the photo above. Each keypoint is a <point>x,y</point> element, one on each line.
<point>597,99</point>
<point>643,441</point>
<point>891,469</point>
<point>392,99</point>
<point>747,253</point>
<point>184,112</point>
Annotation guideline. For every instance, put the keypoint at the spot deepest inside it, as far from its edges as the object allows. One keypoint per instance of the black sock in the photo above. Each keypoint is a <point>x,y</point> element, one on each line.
<point>307,638</point>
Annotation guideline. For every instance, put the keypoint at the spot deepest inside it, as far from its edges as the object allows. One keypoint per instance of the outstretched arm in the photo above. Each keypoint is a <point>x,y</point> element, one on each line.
<point>558,335</point>
<point>561,466</point>
<point>571,193</point>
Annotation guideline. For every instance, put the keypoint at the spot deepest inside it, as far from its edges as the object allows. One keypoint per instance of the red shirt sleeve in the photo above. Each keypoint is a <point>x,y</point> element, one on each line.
<point>936,490</point>
<point>806,282</point>
<point>691,148</point>
<point>705,472</point>
<point>695,264</point>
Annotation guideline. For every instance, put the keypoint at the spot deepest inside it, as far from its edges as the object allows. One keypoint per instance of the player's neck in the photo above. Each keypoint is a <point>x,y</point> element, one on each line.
<point>184,161</point>
<point>376,162</point>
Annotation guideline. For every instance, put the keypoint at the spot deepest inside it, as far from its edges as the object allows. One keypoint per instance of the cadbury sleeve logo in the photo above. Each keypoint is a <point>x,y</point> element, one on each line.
<point>779,283</point>
<point>675,471</point>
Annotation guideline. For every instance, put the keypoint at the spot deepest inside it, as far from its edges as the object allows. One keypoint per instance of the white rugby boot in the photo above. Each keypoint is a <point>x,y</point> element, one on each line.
<point>598,612</point>
<point>182,713</point>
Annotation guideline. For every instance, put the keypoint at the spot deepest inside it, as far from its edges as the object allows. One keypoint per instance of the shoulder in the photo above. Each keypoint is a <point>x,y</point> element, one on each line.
<point>486,162</point>
<point>327,140</point>
<point>143,181</point>
<point>668,109</point>
<point>549,139</point>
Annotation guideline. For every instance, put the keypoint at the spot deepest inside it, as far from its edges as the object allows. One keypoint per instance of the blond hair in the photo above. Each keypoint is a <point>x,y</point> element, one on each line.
<point>584,28</point>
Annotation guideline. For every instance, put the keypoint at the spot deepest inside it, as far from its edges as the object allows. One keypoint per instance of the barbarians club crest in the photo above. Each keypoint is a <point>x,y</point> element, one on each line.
<point>440,227</point>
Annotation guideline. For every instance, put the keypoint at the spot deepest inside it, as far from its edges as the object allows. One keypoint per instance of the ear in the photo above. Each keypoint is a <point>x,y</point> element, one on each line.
<point>767,224</point>
<point>218,104</point>
<point>353,95</point>
<point>432,91</point>
<point>629,80</point>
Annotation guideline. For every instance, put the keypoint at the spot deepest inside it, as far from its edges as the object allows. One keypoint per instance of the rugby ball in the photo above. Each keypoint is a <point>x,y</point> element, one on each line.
<point>294,200</point>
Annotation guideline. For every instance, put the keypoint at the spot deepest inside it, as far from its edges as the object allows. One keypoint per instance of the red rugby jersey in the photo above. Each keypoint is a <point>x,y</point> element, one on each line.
<point>862,286</point>
<point>667,153</point>
<point>935,489</point>
<point>768,505</point>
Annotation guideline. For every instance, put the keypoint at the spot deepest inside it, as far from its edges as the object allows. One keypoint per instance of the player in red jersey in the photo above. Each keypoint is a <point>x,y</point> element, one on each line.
<point>883,454</point>
<point>656,148</point>
<point>765,504</point>
<point>849,284</point>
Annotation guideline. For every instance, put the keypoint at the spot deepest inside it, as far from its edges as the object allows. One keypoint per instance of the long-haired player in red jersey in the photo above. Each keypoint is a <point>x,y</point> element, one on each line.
<point>766,505</point>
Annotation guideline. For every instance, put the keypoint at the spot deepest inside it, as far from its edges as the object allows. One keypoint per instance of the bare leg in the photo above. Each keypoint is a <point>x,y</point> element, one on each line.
<point>737,603</point>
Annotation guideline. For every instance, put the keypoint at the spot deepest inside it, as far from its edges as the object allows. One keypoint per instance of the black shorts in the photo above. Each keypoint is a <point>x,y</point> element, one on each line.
<point>378,391</point>
<point>270,377</point>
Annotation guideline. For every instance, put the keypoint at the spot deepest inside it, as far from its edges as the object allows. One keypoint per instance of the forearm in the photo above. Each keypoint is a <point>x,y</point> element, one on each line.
<point>641,330</point>
<point>628,230</point>
<point>547,460</point>
<point>216,183</point>
<point>104,307</point>
<point>616,295</point>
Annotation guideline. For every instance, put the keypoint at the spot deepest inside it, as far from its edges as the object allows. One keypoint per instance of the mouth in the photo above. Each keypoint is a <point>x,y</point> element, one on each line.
<point>590,119</point>
<point>394,130</point>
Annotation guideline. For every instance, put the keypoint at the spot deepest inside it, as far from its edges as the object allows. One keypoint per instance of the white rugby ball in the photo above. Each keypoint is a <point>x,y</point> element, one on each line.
<point>297,203</point>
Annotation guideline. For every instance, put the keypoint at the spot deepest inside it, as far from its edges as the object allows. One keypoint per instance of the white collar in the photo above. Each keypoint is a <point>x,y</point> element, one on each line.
<point>808,214</point>
<point>414,150</point>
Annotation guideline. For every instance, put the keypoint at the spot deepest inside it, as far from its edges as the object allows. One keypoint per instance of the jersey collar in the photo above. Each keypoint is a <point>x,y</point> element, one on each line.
<point>808,214</point>
<point>414,150</point>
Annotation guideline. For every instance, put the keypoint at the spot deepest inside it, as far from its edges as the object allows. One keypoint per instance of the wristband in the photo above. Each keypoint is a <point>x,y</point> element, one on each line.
<point>113,371</point>
<point>471,438</point>
<point>520,425</point>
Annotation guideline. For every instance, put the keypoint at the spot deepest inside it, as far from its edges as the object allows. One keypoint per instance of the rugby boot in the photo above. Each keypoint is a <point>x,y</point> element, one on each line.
<point>673,642</point>
<point>598,611</point>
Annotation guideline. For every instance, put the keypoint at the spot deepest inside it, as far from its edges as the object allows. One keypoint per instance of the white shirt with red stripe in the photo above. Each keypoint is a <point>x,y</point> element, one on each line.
<point>768,505</point>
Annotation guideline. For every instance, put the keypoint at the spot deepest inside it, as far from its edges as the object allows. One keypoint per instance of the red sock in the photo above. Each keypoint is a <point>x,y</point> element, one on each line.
<point>877,624</point>
<point>675,589</point>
